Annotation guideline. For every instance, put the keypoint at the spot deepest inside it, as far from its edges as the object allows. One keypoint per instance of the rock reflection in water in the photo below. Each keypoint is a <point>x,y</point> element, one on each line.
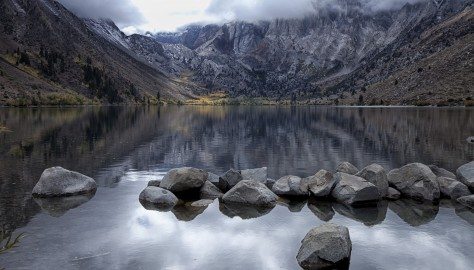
<point>322,209</point>
<point>413,212</point>
<point>187,212</point>
<point>156,207</point>
<point>243,211</point>
<point>369,215</point>
<point>294,205</point>
<point>58,206</point>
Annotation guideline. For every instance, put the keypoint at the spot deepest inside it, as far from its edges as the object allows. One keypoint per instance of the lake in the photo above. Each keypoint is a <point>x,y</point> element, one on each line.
<point>123,148</point>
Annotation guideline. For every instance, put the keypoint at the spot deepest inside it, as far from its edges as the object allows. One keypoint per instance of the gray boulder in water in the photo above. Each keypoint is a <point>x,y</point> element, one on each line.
<point>184,179</point>
<point>57,181</point>
<point>229,179</point>
<point>259,175</point>
<point>467,201</point>
<point>351,189</point>
<point>213,178</point>
<point>290,186</point>
<point>451,188</point>
<point>321,184</point>
<point>210,191</point>
<point>251,193</point>
<point>465,174</point>
<point>376,175</point>
<point>154,183</point>
<point>326,246</point>
<point>415,180</point>
<point>346,167</point>
<point>440,172</point>
<point>159,197</point>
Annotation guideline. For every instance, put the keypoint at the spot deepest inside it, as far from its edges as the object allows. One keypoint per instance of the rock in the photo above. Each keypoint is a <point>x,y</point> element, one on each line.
<point>440,172</point>
<point>351,189</point>
<point>346,167</point>
<point>229,180</point>
<point>376,175</point>
<point>58,206</point>
<point>159,197</point>
<point>451,188</point>
<point>322,210</point>
<point>270,183</point>
<point>369,215</point>
<point>154,183</point>
<point>202,203</point>
<point>290,186</point>
<point>467,201</point>
<point>328,245</point>
<point>244,211</point>
<point>415,180</point>
<point>465,175</point>
<point>413,212</point>
<point>210,191</point>
<point>259,175</point>
<point>57,181</point>
<point>470,139</point>
<point>294,206</point>
<point>393,194</point>
<point>250,192</point>
<point>321,184</point>
<point>184,179</point>
<point>213,178</point>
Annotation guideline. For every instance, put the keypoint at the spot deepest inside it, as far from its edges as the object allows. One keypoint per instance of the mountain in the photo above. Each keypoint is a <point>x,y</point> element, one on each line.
<point>50,56</point>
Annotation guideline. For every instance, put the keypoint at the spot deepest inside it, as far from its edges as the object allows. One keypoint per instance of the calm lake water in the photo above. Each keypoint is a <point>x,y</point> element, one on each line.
<point>124,147</point>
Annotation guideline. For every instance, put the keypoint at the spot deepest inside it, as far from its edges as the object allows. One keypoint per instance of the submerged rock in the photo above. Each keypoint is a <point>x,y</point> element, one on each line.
<point>184,179</point>
<point>451,188</point>
<point>467,201</point>
<point>229,180</point>
<point>346,167</point>
<point>58,206</point>
<point>252,193</point>
<point>376,175</point>
<point>393,194</point>
<point>290,186</point>
<point>57,181</point>
<point>351,189</point>
<point>415,213</point>
<point>154,183</point>
<point>321,184</point>
<point>210,191</point>
<point>440,172</point>
<point>158,198</point>
<point>415,180</point>
<point>259,175</point>
<point>465,175</point>
<point>326,246</point>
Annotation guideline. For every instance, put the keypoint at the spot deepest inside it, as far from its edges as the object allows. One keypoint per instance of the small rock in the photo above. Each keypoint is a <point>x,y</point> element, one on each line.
<point>415,180</point>
<point>202,203</point>
<point>159,197</point>
<point>376,175</point>
<point>154,183</point>
<point>321,184</point>
<point>229,180</point>
<point>440,172</point>
<point>393,194</point>
<point>290,186</point>
<point>346,167</point>
<point>467,201</point>
<point>210,191</point>
<point>465,175</point>
<point>470,139</point>
<point>184,179</point>
<point>57,181</point>
<point>259,175</point>
<point>451,188</point>
<point>252,193</point>
<point>326,246</point>
<point>351,189</point>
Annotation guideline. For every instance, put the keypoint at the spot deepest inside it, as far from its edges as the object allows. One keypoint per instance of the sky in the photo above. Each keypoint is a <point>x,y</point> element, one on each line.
<point>140,16</point>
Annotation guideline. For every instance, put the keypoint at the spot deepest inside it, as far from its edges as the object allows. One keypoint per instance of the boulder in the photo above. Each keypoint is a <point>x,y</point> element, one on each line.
<point>346,167</point>
<point>467,201</point>
<point>470,139</point>
<point>210,191</point>
<point>415,180</point>
<point>159,197</point>
<point>229,180</point>
<point>252,193</point>
<point>154,183</point>
<point>440,172</point>
<point>451,188</point>
<point>321,184</point>
<point>351,189</point>
<point>376,175</point>
<point>184,179</point>
<point>213,178</point>
<point>465,175</point>
<point>290,186</point>
<point>259,175</point>
<point>393,194</point>
<point>57,181</point>
<point>326,246</point>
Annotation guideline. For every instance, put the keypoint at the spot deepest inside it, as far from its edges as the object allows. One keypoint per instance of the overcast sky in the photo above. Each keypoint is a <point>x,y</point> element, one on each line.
<point>168,15</point>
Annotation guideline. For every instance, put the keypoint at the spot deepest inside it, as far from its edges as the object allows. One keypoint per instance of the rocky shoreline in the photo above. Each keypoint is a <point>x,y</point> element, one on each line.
<point>328,245</point>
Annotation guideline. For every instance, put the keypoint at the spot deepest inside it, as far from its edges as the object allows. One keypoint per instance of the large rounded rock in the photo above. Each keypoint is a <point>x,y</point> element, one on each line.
<point>351,189</point>
<point>415,180</point>
<point>210,191</point>
<point>290,186</point>
<point>251,193</point>
<point>346,167</point>
<point>465,174</point>
<point>467,201</point>
<point>326,246</point>
<point>376,175</point>
<point>184,179</point>
<point>321,184</point>
<point>229,179</point>
<point>440,172</point>
<point>57,181</point>
<point>159,197</point>
<point>451,188</point>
